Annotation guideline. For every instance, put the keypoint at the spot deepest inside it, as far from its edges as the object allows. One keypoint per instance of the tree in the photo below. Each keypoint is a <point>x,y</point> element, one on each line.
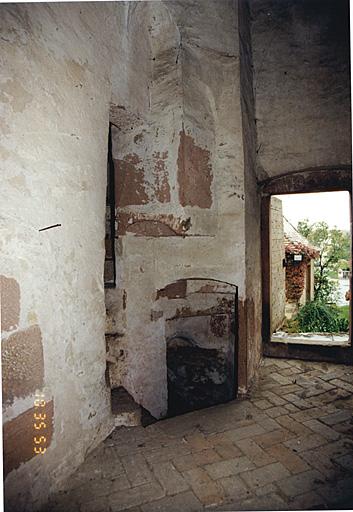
<point>334,245</point>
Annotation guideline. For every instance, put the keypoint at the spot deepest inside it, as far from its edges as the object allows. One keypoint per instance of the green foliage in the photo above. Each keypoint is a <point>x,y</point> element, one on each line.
<point>290,326</point>
<point>334,246</point>
<point>317,316</point>
<point>344,311</point>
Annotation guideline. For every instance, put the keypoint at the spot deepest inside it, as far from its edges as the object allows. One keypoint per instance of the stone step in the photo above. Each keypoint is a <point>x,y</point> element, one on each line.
<point>126,411</point>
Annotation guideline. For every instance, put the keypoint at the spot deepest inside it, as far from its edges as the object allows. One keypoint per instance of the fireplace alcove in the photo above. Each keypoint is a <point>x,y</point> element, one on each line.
<point>201,336</point>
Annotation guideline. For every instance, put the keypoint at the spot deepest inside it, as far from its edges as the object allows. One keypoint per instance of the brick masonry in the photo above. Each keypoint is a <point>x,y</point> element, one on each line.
<point>236,456</point>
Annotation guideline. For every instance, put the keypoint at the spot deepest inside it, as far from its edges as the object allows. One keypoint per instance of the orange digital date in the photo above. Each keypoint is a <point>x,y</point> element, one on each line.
<point>39,424</point>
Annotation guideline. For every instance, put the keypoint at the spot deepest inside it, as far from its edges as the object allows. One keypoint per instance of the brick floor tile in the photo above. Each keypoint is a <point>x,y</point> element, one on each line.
<point>134,497</point>
<point>284,381</point>
<point>288,458</point>
<point>194,460</point>
<point>245,432</point>
<point>136,469</point>
<point>196,442</point>
<point>284,390</point>
<point>208,491</point>
<point>95,505</point>
<point>275,437</point>
<point>291,408</point>
<point>234,487</point>
<point>307,501</point>
<point>262,404</point>
<point>324,430</point>
<point>340,491</point>
<point>186,501</point>
<point>305,443</point>
<point>134,509</point>
<point>323,463</point>
<point>344,428</point>
<point>294,426</point>
<point>342,384</point>
<point>301,416</point>
<point>301,483</point>
<point>330,396</point>
<point>347,376</point>
<point>299,427</point>
<point>274,412</point>
<point>62,503</point>
<point>166,453</point>
<point>265,475</point>
<point>228,467</point>
<point>346,461</point>
<point>290,371</point>
<point>268,502</point>
<point>269,424</point>
<point>274,398</point>
<point>266,489</point>
<point>254,452</point>
<point>93,489</point>
<point>337,417</point>
<point>330,375</point>
<point>323,459</point>
<point>227,450</point>
<point>169,478</point>
<point>301,403</point>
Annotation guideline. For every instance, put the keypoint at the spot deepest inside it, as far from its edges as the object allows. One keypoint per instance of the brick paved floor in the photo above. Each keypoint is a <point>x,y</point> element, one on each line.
<point>289,447</point>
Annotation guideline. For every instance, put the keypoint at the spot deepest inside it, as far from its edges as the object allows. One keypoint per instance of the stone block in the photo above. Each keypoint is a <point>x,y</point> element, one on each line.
<point>185,501</point>
<point>22,364</point>
<point>288,458</point>
<point>209,492</point>
<point>253,451</point>
<point>10,303</point>
<point>229,467</point>
<point>307,481</point>
<point>265,475</point>
<point>170,479</point>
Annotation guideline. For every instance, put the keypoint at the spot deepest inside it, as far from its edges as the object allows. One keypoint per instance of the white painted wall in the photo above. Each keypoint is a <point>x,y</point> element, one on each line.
<point>55,66</point>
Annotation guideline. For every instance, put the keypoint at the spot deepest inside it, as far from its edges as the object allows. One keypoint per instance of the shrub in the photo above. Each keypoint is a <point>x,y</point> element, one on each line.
<point>317,316</point>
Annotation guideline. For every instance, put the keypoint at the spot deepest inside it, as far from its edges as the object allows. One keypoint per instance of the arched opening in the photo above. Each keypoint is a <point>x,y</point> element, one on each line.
<point>201,343</point>
<point>300,182</point>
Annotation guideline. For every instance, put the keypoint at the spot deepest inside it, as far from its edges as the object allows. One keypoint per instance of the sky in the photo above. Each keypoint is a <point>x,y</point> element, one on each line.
<point>331,207</point>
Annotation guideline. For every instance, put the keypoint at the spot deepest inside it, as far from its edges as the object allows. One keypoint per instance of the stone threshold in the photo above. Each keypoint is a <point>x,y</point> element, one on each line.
<point>312,338</point>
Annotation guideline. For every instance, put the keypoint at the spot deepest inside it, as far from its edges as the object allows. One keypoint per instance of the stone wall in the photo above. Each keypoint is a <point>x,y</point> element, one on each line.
<point>302,83</point>
<point>55,94</point>
<point>181,194</point>
<point>278,272</point>
<point>251,308</point>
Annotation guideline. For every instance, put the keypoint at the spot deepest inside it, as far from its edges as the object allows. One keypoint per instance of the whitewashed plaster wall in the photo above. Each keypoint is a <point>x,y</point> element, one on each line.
<point>302,83</point>
<point>54,100</point>
<point>189,118</point>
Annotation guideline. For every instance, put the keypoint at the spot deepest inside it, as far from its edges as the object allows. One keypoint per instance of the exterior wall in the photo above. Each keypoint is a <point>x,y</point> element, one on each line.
<point>278,272</point>
<point>302,81</point>
<point>178,152</point>
<point>55,93</point>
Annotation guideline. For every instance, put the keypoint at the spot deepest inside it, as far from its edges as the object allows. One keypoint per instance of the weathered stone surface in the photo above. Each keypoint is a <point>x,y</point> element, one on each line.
<point>293,71</point>
<point>22,364</point>
<point>265,475</point>
<point>182,194</point>
<point>180,455</point>
<point>10,303</point>
<point>194,173</point>
<point>54,101</point>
